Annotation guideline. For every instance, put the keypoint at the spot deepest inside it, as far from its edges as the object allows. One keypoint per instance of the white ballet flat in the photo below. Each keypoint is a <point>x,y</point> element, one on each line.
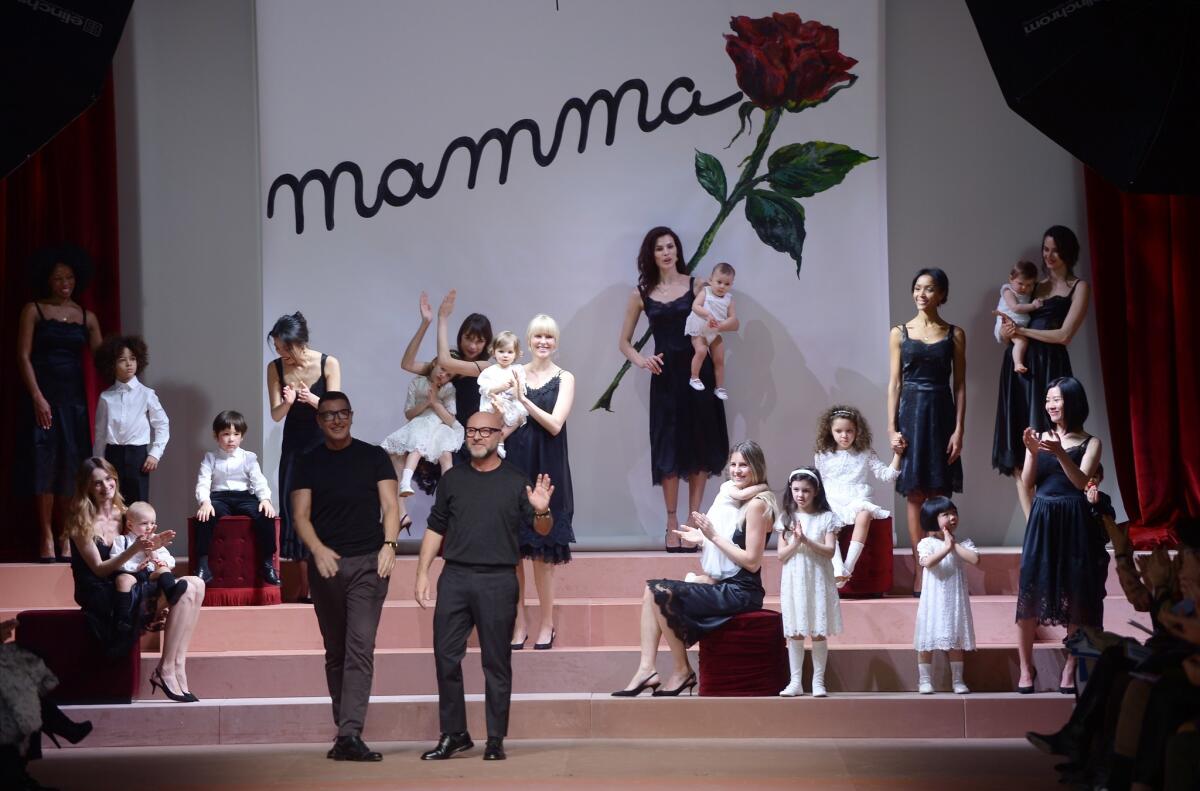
<point>925,688</point>
<point>961,689</point>
<point>792,690</point>
<point>721,394</point>
<point>696,384</point>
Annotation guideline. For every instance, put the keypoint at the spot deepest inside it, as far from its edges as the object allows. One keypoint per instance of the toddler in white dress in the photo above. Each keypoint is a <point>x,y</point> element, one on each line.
<point>432,432</point>
<point>1015,303</point>
<point>497,391</point>
<point>844,457</point>
<point>808,597</point>
<point>712,312</point>
<point>944,614</point>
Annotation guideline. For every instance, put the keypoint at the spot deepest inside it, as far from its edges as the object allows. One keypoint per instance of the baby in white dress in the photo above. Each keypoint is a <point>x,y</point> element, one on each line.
<point>432,432</point>
<point>944,615</point>
<point>712,312</point>
<point>497,391</point>
<point>1016,304</point>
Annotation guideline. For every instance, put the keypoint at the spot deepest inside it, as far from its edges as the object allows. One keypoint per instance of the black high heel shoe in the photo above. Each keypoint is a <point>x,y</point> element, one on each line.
<point>55,723</point>
<point>406,525</point>
<point>642,686</point>
<point>549,645</point>
<point>156,682</point>
<point>1029,689</point>
<point>689,684</point>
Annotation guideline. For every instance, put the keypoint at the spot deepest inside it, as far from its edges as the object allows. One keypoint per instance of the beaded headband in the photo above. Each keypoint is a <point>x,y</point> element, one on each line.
<point>843,413</point>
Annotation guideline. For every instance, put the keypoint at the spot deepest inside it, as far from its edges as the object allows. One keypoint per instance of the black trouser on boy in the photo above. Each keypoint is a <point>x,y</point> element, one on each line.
<point>128,461</point>
<point>238,504</point>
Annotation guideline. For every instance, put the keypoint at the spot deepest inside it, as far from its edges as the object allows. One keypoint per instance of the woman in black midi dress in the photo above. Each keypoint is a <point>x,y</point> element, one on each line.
<point>927,407</point>
<point>1064,564</point>
<point>688,434</point>
<point>1020,402</point>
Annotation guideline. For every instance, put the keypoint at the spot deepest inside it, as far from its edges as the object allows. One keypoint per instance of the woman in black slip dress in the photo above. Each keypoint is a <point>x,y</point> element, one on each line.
<point>296,380</point>
<point>1020,402</point>
<point>540,447</point>
<point>52,333</point>
<point>465,362</point>
<point>688,433</point>
<point>1064,564</point>
<point>926,417</point>
<point>734,534</point>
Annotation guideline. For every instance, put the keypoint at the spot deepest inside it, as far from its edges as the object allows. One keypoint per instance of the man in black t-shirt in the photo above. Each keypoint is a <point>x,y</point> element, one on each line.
<point>478,513</point>
<point>346,511</point>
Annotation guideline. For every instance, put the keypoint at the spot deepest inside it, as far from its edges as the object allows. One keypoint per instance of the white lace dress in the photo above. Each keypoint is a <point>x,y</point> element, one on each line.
<point>1020,319</point>
<point>844,473</point>
<point>511,409</point>
<point>944,614</point>
<point>717,306</point>
<point>426,433</point>
<point>807,593</point>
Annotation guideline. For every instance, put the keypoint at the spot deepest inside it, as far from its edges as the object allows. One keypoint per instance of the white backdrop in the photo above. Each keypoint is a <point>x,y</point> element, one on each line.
<point>372,82</point>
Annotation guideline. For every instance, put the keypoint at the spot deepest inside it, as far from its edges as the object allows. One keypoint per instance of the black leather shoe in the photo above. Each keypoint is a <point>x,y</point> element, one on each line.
<point>449,744</point>
<point>353,748</point>
<point>494,751</point>
<point>268,573</point>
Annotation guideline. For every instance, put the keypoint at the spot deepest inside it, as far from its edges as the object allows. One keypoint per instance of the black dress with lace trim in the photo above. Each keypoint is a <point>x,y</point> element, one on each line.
<point>693,609</point>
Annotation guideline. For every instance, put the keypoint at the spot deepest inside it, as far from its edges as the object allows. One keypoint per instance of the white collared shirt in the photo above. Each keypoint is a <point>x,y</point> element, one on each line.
<point>129,413</point>
<point>160,556</point>
<point>231,472</point>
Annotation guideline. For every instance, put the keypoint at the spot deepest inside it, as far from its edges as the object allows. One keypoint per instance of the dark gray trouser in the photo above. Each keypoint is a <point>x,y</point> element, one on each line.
<point>348,605</point>
<point>484,598</point>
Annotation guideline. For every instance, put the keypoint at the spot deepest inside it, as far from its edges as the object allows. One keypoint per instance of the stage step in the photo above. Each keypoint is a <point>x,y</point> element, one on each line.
<point>860,668</point>
<point>589,575</point>
<point>580,716</point>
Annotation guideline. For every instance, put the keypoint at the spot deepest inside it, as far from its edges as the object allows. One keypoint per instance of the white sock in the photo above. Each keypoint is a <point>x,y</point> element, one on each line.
<point>956,672</point>
<point>796,665</point>
<point>852,552</point>
<point>820,655</point>
<point>924,678</point>
<point>406,478</point>
<point>839,569</point>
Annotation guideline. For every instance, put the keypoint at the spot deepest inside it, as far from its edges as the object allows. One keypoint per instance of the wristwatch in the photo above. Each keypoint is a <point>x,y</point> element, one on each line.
<point>395,545</point>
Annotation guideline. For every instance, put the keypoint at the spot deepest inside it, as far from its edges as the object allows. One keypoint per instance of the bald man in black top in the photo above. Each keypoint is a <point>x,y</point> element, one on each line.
<point>478,513</point>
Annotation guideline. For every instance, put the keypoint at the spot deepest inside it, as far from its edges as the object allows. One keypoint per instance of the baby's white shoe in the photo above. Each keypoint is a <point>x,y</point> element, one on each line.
<point>500,451</point>
<point>925,688</point>
<point>818,686</point>
<point>793,690</point>
<point>696,384</point>
<point>406,489</point>
<point>721,393</point>
<point>961,688</point>
<point>690,577</point>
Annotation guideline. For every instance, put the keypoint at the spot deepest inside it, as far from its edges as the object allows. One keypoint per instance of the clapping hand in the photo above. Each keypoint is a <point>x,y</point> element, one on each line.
<point>699,529</point>
<point>306,396</point>
<point>289,394</point>
<point>539,494</point>
<point>1051,444</point>
<point>1030,439</point>
<point>163,539</point>
<point>425,308</point>
<point>447,306</point>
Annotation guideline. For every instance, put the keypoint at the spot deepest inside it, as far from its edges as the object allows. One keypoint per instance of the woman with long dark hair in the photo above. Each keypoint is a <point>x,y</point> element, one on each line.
<point>688,434</point>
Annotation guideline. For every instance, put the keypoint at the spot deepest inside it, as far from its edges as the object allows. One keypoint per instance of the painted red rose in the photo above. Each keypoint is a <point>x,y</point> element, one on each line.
<point>783,61</point>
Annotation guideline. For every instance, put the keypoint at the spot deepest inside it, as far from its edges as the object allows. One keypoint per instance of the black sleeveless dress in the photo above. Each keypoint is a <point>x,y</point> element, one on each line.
<point>300,435</point>
<point>1022,400</point>
<point>693,609</point>
<point>1063,561</point>
<point>97,597</point>
<point>533,450</point>
<point>466,403</point>
<point>687,427</point>
<point>57,358</point>
<point>926,416</point>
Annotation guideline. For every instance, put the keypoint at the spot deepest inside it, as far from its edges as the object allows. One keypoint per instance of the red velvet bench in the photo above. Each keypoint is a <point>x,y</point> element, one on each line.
<point>746,657</point>
<point>234,562</point>
<point>86,674</point>
<point>873,573</point>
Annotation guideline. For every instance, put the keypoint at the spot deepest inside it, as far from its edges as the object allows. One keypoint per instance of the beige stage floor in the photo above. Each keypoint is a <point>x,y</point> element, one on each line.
<point>929,765</point>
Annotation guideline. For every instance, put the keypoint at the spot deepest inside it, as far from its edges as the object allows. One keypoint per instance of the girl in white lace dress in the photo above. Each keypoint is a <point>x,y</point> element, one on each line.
<point>944,614</point>
<point>811,608</point>
<point>499,385</point>
<point>432,431</point>
<point>712,313</point>
<point>844,457</point>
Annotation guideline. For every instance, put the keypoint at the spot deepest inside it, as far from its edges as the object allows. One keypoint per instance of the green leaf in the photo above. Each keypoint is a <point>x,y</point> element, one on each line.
<point>801,170</point>
<point>795,107</point>
<point>778,221</point>
<point>711,175</point>
<point>744,117</point>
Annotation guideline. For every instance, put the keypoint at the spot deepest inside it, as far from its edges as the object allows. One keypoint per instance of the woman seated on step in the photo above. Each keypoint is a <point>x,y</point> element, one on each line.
<point>733,534</point>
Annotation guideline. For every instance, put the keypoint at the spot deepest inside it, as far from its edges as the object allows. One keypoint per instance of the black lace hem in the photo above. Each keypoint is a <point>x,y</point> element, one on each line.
<point>658,475</point>
<point>664,593</point>
<point>1063,611</point>
<point>554,554</point>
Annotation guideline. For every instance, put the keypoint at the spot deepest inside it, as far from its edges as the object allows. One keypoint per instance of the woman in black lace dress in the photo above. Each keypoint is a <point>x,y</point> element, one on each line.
<point>927,401</point>
<point>1051,328</point>
<point>734,533</point>
<point>1063,561</point>
<point>688,435</point>
<point>540,447</point>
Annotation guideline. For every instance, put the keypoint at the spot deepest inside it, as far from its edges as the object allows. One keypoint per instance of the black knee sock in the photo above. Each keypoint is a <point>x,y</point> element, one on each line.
<point>123,611</point>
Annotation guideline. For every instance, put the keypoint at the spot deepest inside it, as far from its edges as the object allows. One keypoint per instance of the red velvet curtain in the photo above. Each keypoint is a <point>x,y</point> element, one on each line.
<point>66,192</point>
<point>1146,268</point>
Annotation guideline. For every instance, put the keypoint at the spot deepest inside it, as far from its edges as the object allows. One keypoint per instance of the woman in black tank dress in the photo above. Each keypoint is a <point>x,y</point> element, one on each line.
<point>536,448</point>
<point>296,380</point>
<point>466,362</point>
<point>688,434</point>
<point>53,332</point>
<point>925,416</point>
<point>1063,560</point>
<point>1051,328</point>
